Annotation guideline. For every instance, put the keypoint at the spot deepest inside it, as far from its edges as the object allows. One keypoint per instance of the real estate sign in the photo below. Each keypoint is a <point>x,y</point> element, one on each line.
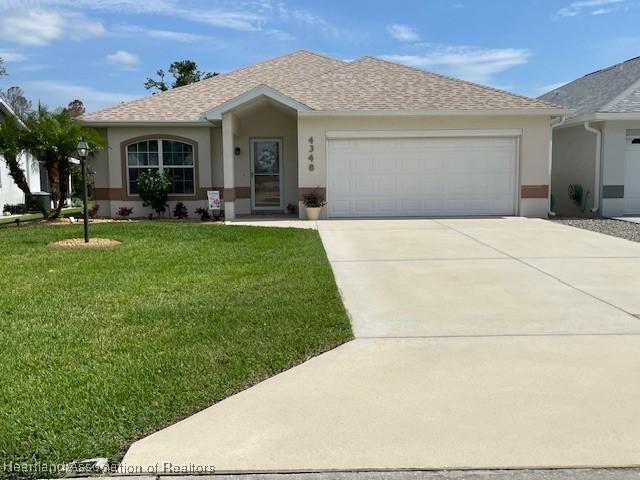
<point>213,196</point>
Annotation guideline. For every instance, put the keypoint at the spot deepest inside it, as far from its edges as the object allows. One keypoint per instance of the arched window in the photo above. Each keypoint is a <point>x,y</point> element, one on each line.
<point>162,155</point>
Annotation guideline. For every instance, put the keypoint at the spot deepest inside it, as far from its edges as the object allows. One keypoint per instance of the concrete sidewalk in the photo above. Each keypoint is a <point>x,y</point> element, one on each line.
<point>484,344</point>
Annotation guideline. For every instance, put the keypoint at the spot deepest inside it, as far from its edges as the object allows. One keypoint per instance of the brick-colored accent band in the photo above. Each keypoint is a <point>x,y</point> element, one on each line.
<point>231,194</point>
<point>613,191</point>
<point>534,191</point>
<point>120,194</point>
<point>108,193</point>
<point>304,191</point>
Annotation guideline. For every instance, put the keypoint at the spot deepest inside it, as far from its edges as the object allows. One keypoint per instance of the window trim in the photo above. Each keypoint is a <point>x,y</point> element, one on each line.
<point>159,137</point>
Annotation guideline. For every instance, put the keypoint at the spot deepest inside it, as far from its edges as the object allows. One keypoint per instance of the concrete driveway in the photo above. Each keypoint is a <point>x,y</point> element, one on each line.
<point>480,343</point>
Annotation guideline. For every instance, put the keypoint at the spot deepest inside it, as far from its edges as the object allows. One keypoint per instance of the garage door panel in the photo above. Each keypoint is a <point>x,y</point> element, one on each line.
<point>422,176</point>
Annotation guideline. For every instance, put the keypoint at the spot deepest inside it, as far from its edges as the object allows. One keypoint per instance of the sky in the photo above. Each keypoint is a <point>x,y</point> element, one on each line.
<point>102,51</point>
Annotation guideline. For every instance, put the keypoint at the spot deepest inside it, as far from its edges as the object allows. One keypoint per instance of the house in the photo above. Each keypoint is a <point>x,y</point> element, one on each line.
<point>376,138</point>
<point>10,194</point>
<point>596,150</point>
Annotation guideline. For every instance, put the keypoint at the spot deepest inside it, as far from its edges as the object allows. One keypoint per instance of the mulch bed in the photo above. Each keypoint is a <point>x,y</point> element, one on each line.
<point>80,243</point>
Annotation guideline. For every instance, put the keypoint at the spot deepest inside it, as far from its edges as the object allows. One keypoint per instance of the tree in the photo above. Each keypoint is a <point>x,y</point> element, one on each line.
<point>76,108</point>
<point>52,137</point>
<point>184,72</point>
<point>154,188</point>
<point>3,71</point>
<point>17,101</point>
<point>11,145</point>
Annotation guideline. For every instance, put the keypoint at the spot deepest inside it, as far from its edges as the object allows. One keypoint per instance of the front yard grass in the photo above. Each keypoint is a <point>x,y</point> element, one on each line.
<point>100,347</point>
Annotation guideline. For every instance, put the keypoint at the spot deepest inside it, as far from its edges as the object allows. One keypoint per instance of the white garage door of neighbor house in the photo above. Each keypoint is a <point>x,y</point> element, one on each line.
<point>632,177</point>
<point>458,176</point>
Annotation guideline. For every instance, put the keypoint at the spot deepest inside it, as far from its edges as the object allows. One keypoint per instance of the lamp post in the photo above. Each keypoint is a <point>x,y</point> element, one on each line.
<point>83,150</point>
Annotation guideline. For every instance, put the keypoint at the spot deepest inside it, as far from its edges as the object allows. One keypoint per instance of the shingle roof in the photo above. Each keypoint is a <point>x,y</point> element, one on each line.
<point>375,84</point>
<point>191,102</point>
<point>321,83</point>
<point>612,90</point>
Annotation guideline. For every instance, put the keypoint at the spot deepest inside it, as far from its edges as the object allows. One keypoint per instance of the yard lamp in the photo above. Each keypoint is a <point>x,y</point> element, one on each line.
<point>83,150</point>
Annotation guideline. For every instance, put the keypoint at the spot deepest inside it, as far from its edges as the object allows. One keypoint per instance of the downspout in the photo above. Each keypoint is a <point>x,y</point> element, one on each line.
<point>596,190</point>
<point>553,126</point>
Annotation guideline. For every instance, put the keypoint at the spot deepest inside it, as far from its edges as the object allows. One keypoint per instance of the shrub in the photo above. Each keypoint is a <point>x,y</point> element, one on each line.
<point>204,214</point>
<point>16,209</point>
<point>313,200</point>
<point>154,187</point>
<point>180,211</point>
<point>124,211</point>
<point>93,210</point>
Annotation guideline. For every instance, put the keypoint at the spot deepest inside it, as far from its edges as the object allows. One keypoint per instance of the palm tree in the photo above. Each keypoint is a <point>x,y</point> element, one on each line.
<point>11,145</point>
<point>52,137</point>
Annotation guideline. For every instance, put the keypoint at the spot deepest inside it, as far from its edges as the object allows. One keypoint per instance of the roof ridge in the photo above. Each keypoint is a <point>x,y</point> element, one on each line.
<point>458,80</point>
<point>321,55</point>
<point>208,80</point>
<point>331,70</point>
<point>621,96</point>
<point>611,66</point>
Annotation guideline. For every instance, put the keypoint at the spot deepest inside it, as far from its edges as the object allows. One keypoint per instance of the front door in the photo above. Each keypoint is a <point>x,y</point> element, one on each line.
<point>266,174</point>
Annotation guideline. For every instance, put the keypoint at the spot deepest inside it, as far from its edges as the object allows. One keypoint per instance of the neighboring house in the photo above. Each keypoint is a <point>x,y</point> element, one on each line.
<point>10,194</point>
<point>598,145</point>
<point>378,139</point>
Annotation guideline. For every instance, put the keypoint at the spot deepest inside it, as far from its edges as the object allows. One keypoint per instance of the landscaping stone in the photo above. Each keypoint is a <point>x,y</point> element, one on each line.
<point>608,226</point>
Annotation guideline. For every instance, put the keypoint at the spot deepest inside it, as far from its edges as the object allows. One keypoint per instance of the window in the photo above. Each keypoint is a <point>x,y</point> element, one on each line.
<point>162,155</point>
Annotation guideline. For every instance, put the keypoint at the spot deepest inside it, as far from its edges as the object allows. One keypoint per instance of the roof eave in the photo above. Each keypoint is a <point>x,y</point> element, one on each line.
<point>601,117</point>
<point>143,123</point>
<point>215,114</point>
<point>551,111</point>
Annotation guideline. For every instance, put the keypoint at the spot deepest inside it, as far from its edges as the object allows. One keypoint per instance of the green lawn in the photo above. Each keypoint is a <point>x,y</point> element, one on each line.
<point>101,347</point>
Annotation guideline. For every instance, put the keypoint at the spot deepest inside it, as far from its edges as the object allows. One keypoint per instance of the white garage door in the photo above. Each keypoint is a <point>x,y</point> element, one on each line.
<point>379,177</point>
<point>632,178</point>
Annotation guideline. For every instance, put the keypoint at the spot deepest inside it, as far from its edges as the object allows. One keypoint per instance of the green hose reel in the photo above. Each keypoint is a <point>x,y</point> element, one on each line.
<point>576,193</point>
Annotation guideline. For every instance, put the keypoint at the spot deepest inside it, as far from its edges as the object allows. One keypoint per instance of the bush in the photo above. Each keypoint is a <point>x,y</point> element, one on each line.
<point>180,211</point>
<point>93,210</point>
<point>313,199</point>
<point>154,188</point>
<point>16,209</point>
<point>204,214</point>
<point>124,211</point>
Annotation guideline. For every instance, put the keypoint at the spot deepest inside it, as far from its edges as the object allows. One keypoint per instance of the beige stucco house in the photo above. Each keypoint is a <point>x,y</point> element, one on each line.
<point>377,139</point>
<point>596,149</point>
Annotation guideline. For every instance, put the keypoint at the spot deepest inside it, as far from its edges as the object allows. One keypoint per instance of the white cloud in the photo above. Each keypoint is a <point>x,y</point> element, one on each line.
<point>12,56</point>
<point>56,93</point>
<point>170,35</point>
<point>38,27</point>
<point>402,32</point>
<point>243,15</point>
<point>123,58</point>
<point>470,63</point>
<point>593,7</point>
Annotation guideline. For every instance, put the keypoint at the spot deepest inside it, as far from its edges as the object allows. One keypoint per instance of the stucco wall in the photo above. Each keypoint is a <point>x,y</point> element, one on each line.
<point>266,120</point>
<point>613,162</point>
<point>534,144</point>
<point>111,190</point>
<point>573,163</point>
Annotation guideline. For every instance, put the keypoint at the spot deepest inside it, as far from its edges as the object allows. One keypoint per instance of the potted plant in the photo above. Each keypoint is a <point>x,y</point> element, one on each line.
<point>313,204</point>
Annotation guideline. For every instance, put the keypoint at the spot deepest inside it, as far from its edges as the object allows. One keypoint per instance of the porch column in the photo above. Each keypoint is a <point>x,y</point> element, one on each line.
<point>228,130</point>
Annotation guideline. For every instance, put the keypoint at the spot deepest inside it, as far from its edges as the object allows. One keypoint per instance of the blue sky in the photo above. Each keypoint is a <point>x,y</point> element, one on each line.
<point>101,51</point>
